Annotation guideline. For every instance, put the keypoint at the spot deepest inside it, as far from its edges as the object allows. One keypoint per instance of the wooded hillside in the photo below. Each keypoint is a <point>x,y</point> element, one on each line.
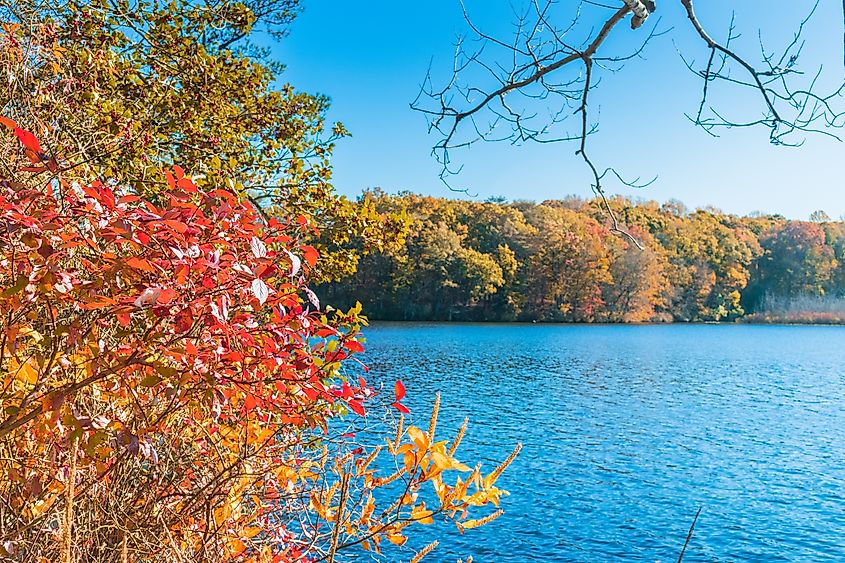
<point>559,261</point>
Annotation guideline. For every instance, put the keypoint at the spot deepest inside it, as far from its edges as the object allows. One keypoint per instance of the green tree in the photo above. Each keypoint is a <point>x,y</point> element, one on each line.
<point>118,89</point>
<point>796,261</point>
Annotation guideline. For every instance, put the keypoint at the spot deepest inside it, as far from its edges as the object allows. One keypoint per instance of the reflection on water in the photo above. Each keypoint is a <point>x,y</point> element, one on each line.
<point>627,430</point>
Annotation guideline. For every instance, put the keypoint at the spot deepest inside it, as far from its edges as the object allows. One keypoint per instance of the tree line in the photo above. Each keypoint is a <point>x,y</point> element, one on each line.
<point>559,261</point>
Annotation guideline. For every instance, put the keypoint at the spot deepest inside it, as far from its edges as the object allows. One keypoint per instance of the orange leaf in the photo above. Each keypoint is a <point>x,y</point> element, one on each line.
<point>397,539</point>
<point>311,255</point>
<point>97,302</point>
<point>250,402</point>
<point>177,226</point>
<point>8,122</point>
<point>140,264</point>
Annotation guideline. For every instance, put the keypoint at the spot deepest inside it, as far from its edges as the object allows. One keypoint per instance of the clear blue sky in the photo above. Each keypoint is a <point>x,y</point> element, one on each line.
<point>370,58</point>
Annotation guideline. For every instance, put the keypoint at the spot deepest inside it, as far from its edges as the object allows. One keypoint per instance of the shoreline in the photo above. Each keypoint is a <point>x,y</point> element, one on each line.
<point>738,322</point>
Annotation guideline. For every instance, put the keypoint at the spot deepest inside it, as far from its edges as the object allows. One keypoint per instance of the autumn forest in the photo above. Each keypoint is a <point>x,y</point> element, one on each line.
<point>559,261</point>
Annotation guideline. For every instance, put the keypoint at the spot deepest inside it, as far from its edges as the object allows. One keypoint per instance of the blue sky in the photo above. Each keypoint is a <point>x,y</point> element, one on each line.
<point>370,58</point>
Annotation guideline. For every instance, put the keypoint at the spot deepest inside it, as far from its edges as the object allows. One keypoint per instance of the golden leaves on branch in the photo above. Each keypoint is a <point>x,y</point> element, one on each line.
<point>419,483</point>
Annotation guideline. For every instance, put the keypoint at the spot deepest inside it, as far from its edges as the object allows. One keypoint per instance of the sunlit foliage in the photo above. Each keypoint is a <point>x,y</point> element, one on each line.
<point>559,261</point>
<point>170,387</point>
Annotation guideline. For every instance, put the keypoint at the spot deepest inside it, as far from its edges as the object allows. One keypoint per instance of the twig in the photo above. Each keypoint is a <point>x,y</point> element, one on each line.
<point>67,555</point>
<point>344,492</point>
<point>689,535</point>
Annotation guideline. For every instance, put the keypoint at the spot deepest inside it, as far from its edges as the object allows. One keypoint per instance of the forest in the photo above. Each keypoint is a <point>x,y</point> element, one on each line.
<point>558,261</point>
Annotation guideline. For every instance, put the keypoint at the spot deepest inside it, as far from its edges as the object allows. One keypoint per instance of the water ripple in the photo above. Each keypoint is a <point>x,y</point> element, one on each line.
<point>628,430</point>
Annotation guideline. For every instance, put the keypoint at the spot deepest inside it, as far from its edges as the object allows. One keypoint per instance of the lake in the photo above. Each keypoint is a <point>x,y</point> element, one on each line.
<point>628,430</point>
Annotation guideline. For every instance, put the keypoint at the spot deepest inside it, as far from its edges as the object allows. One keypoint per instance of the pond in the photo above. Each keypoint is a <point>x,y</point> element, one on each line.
<point>628,430</point>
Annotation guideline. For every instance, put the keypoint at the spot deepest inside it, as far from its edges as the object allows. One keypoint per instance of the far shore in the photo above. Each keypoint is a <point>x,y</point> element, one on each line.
<point>767,320</point>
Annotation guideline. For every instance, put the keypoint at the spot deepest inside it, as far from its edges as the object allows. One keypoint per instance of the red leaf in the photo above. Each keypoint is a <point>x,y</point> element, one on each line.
<point>399,389</point>
<point>28,140</point>
<point>400,407</point>
<point>356,407</point>
<point>354,346</point>
<point>166,296</point>
<point>184,320</point>
<point>124,319</point>
<point>187,185</point>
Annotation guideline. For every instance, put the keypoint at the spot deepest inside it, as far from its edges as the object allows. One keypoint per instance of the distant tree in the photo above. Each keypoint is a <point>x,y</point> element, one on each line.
<point>523,261</point>
<point>568,266</point>
<point>638,285</point>
<point>675,207</point>
<point>819,217</point>
<point>796,261</point>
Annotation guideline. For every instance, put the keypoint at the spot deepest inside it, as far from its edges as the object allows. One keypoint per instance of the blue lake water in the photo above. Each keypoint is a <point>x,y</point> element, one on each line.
<point>628,430</point>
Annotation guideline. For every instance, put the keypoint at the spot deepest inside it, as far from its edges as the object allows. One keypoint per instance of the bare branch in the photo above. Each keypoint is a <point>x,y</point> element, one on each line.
<point>529,86</point>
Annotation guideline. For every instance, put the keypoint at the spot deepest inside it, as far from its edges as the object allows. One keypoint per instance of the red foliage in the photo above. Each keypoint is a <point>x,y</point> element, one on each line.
<point>128,325</point>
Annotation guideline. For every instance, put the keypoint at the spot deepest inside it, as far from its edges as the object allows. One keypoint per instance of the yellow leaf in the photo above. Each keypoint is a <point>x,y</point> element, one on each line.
<point>418,437</point>
<point>28,372</point>
<point>397,539</point>
<point>222,514</point>
<point>459,466</point>
<point>31,332</point>
<point>442,461</point>
<point>421,515</point>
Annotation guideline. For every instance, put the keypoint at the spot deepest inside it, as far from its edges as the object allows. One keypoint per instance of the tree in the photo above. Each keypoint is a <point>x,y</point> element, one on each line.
<point>796,261</point>
<point>556,261</point>
<point>537,85</point>
<point>819,216</point>
<point>568,268</point>
<point>638,285</point>
<point>168,379</point>
<point>122,89</point>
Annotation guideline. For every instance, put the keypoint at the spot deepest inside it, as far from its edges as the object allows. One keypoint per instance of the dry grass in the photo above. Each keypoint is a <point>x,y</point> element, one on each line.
<point>806,309</point>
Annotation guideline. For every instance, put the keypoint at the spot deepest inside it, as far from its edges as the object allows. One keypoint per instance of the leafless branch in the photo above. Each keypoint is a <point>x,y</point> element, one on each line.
<point>530,86</point>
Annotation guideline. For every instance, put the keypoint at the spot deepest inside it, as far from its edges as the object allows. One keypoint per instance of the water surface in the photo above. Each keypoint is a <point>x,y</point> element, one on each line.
<point>627,430</point>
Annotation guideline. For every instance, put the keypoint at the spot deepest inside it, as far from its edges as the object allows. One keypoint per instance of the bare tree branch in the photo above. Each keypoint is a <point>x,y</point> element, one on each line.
<point>527,87</point>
